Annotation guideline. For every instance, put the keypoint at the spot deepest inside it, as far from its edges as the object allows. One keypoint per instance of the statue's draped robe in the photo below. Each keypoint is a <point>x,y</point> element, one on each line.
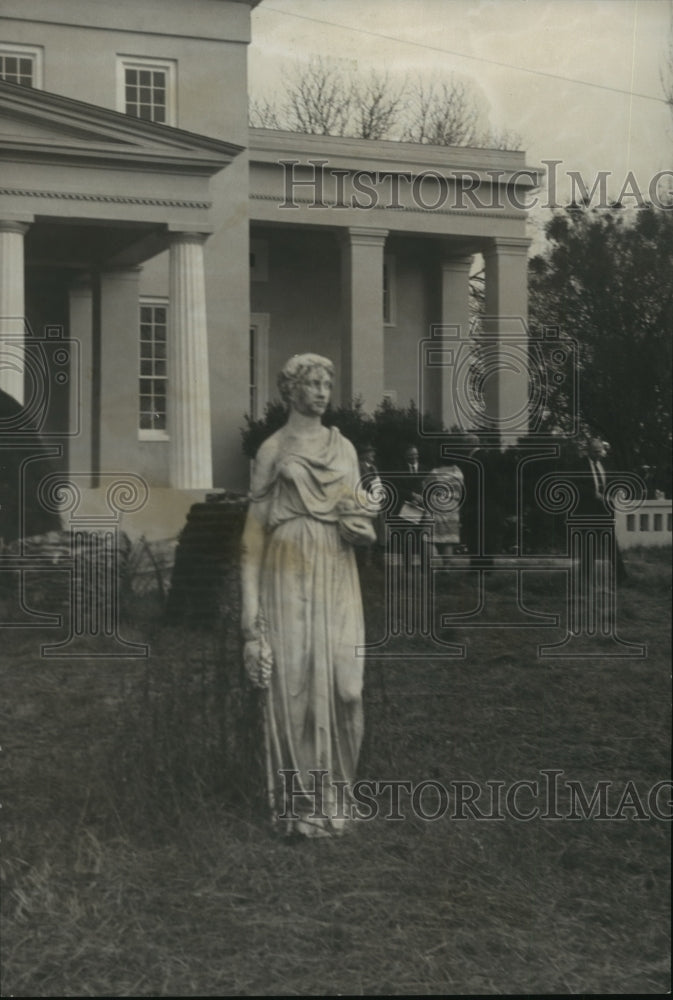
<point>310,600</point>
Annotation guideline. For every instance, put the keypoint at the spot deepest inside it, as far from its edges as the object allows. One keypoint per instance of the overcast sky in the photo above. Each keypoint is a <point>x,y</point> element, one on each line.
<point>523,56</point>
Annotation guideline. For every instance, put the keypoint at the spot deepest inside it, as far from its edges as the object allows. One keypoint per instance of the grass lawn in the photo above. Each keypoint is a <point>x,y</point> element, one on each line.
<point>134,864</point>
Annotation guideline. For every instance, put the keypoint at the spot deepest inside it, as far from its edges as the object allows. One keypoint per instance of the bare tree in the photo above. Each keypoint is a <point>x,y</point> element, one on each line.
<point>321,99</point>
<point>263,114</point>
<point>441,113</point>
<point>377,106</point>
<point>493,138</point>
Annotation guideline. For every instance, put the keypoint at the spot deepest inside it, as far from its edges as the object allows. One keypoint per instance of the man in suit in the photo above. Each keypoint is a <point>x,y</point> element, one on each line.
<point>410,487</point>
<point>482,515</point>
<point>592,489</point>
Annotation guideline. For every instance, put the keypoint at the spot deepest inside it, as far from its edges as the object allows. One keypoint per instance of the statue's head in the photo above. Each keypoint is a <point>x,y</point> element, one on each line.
<point>304,372</point>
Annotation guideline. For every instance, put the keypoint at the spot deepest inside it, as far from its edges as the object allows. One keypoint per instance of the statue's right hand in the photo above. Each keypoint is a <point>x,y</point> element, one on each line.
<point>258,661</point>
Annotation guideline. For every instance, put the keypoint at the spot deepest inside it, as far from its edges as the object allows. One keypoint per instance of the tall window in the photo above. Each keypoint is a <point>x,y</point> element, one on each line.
<point>21,64</point>
<point>146,89</point>
<point>153,381</point>
<point>258,362</point>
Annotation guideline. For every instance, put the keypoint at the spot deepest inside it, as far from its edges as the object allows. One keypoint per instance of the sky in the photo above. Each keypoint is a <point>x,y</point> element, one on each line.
<point>579,80</point>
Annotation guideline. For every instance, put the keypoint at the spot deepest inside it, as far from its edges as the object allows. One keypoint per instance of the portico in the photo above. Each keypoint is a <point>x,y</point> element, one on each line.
<point>386,234</point>
<point>88,195</point>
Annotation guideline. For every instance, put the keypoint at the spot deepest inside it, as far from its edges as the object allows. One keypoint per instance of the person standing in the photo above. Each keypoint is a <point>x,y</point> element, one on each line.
<point>413,478</point>
<point>448,486</point>
<point>592,486</point>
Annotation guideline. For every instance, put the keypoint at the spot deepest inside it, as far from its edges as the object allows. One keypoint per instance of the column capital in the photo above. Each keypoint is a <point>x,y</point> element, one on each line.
<point>20,226</point>
<point>180,234</point>
<point>506,245</point>
<point>364,236</point>
<point>457,264</point>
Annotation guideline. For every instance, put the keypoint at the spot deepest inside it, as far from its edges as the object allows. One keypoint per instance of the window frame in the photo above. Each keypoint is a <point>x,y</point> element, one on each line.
<point>151,433</point>
<point>168,66</point>
<point>34,53</point>
<point>260,322</point>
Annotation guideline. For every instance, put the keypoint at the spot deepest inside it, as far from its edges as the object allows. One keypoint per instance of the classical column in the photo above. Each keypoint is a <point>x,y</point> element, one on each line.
<point>362,345</point>
<point>189,393</point>
<point>455,304</point>
<point>12,307</point>
<point>506,377</point>
<point>114,368</point>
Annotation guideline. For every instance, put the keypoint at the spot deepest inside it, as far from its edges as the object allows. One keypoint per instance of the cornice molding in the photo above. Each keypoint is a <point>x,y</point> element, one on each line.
<point>409,209</point>
<point>117,199</point>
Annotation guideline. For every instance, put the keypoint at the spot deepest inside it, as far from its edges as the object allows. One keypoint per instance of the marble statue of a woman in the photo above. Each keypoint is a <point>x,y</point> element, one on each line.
<point>302,614</point>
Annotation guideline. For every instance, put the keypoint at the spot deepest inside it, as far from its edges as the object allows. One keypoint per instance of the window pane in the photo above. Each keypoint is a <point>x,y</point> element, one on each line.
<point>146,93</point>
<point>153,369</point>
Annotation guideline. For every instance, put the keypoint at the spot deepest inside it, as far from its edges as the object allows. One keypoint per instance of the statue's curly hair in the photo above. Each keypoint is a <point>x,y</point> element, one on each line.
<point>296,370</point>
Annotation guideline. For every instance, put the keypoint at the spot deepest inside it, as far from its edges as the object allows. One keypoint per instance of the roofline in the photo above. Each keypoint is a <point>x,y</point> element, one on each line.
<point>270,145</point>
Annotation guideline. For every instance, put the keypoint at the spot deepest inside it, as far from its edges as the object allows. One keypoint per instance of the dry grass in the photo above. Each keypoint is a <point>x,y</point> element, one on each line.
<point>130,868</point>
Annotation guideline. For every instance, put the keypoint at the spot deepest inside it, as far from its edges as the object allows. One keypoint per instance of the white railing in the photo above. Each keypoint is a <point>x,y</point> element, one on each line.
<point>649,525</point>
